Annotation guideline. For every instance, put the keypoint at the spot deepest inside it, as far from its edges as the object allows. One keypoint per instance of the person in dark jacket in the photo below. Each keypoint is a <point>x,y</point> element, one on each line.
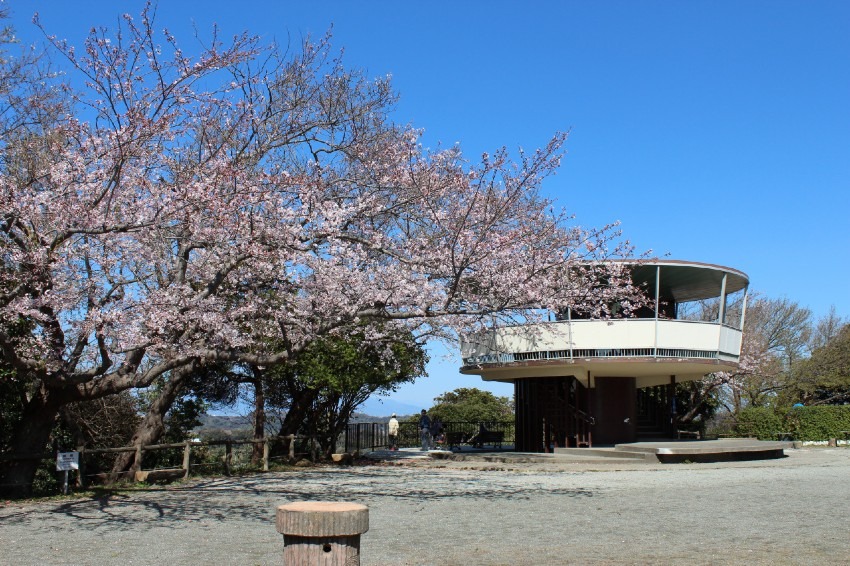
<point>425,430</point>
<point>437,438</point>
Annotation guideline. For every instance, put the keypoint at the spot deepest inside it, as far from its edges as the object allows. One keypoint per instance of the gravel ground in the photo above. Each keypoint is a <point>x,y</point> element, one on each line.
<point>788,511</point>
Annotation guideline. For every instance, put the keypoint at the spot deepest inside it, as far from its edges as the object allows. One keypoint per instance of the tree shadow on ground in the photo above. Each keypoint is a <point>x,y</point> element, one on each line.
<point>255,498</point>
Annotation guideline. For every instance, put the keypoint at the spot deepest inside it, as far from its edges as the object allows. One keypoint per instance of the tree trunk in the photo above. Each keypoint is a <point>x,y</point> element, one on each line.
<point>339,413</point>
<point>259,419</point>
<point>736,397</point>
<point>152,426</point>
<point>696,399</point>
<point>30,438</point>
<point>296,413</point>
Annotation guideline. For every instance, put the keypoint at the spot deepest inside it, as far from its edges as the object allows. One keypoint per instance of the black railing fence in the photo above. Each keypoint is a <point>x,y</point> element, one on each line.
<point>373,436</point>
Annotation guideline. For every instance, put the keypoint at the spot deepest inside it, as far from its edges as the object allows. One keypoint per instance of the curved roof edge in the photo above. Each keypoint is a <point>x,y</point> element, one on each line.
<point>687,280</point>
<point>683,263</point>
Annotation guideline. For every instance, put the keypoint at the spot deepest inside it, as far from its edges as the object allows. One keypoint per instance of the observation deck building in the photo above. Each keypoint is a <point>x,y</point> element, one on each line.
<point>583,381</point>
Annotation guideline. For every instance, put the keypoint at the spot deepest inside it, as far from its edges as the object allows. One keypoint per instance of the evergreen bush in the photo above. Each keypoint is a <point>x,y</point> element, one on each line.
<point>820,422</point>
<point>760,422</point>
<point>815,423</point>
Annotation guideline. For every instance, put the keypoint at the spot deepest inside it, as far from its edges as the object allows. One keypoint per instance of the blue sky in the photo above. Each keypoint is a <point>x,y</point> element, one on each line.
<point>714,131</point>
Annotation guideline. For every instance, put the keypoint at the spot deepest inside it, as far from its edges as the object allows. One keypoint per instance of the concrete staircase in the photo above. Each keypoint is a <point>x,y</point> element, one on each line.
<point>648,429</point>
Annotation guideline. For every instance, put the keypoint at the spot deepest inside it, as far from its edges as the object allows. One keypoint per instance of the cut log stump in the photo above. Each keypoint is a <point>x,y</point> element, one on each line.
<point>322,533</point>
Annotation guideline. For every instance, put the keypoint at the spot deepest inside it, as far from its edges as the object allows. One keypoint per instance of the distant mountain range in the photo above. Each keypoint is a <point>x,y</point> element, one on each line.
<point>374,410</point>
<point>224,426</point>
<point>382,407</point>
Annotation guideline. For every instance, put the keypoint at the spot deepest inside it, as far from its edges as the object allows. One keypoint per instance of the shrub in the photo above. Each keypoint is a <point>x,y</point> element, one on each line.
<point>760,422</point>
<point>820,422</point>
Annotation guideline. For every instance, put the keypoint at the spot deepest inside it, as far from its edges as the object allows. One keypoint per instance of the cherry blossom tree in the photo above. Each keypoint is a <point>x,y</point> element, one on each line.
<point>775,338</point>
<point>756,371</point>
<point>175,211</point>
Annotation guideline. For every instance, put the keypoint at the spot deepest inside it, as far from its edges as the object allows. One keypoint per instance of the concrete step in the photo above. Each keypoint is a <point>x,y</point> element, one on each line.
<point>581,455</point>
<point>598,453</point>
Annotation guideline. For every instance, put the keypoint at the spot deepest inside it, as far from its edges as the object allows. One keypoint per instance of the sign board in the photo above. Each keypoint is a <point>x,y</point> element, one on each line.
<point>67,461</point>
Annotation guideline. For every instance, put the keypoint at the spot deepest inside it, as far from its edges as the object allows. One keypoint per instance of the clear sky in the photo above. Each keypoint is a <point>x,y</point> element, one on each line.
<point>715,131</point>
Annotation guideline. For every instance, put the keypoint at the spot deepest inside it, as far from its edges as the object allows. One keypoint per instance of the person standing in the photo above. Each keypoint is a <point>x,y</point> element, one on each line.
<point>392,432</point>
<point>425,430</point>
<point>437,433</point>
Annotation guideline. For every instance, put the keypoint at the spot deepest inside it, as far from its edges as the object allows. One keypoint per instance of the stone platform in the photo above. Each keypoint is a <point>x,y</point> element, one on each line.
<point>660,451</point>
<point>677,451</point>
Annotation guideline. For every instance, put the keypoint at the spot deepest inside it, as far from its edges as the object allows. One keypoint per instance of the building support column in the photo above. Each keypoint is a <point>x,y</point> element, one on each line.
<point>744,307</point>
<point>657,292</point>
<point>671,408</point>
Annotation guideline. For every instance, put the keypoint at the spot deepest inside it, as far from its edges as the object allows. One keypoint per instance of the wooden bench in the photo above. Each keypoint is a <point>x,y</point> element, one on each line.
<point>493,438</point>
<point>688,434</point>
<point>454,439</point>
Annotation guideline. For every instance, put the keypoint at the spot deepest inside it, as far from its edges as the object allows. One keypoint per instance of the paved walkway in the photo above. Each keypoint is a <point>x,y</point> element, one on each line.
<point>788,511</point>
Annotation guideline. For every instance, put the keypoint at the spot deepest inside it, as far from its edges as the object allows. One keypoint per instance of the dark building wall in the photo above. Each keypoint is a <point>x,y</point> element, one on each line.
<point>529,431</point>
<point>551,412</point>
<point>545,413</point>
<point>615,410</point>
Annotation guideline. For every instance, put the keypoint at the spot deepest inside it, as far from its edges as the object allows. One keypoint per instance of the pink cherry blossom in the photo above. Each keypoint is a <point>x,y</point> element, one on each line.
<point>237,205</point>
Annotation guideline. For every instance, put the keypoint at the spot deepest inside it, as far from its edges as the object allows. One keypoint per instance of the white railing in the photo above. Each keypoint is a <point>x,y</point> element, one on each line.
<point>632,337</point>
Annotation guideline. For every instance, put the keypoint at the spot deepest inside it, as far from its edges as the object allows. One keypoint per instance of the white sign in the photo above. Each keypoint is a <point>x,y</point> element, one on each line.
<point>67,461</point>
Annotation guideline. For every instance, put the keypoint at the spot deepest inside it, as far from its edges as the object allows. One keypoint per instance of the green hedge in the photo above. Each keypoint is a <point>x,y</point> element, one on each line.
<point>820,422</point>
<point>760,422</point>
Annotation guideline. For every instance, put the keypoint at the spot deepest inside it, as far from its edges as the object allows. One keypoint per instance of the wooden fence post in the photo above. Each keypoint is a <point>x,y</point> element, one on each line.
<point>81,470</point>
<point>291,447</point>
<point>137,465</point>
<point>228,457</point>
<point>187,457</point>
<point>322,533</point>
<point>266,455</point>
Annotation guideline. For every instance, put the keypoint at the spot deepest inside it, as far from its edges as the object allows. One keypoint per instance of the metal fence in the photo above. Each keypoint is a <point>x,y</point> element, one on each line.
<point>373,436</point>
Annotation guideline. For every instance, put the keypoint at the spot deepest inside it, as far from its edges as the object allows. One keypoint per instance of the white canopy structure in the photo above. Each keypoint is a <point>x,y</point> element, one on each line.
<point>605,364</point>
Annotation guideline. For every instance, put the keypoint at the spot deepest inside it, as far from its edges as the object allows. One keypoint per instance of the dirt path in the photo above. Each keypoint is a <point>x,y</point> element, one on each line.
<point>789,511</point>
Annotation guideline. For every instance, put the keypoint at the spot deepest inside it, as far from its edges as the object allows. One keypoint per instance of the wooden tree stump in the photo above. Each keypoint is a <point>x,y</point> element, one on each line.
<point>321,533</point>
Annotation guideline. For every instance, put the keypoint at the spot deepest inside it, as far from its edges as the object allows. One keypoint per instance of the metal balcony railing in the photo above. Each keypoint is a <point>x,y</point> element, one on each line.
<point>588,339</point>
